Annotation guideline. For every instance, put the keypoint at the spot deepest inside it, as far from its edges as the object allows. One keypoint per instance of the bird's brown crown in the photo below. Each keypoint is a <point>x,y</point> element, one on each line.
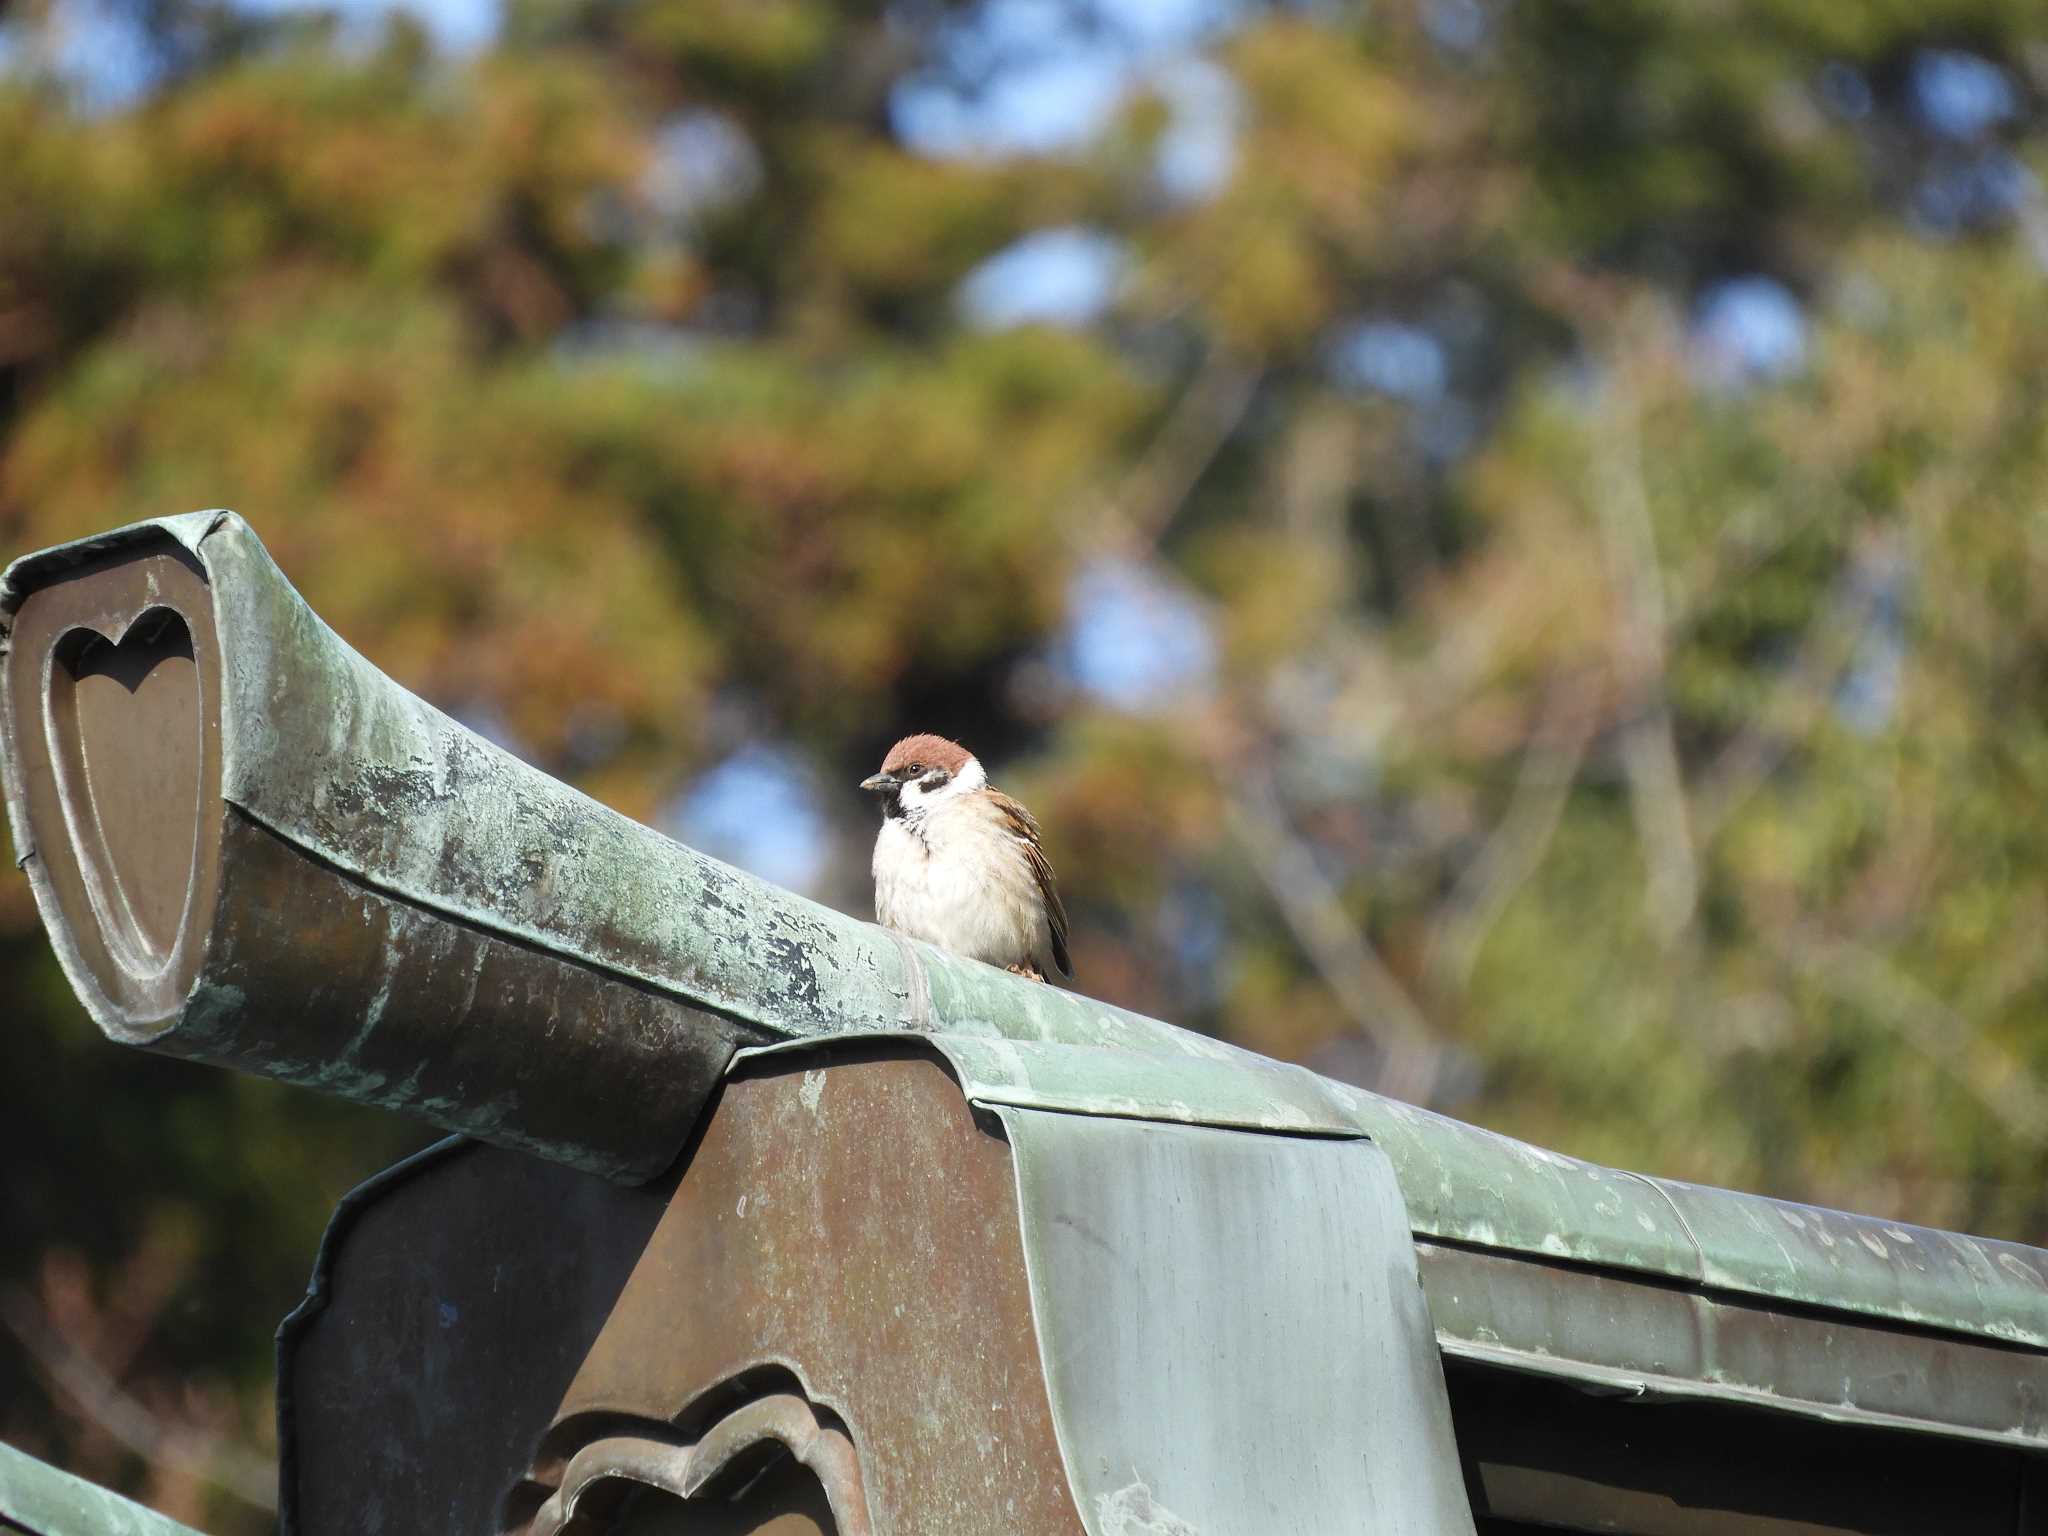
<point>925,751</point>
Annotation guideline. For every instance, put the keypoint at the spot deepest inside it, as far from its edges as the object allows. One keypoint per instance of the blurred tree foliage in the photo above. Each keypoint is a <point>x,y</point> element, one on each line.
<point>1593,456</point>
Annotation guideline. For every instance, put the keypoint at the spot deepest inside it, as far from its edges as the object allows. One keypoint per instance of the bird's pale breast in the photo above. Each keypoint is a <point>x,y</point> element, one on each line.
<point>961,881</point>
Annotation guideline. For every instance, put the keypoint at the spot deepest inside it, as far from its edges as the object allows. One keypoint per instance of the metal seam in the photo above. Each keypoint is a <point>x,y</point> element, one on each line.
<point>998,1097</point>
<point>919,994</point>
<point>1036,1294</point>
<point>1699,1253</point>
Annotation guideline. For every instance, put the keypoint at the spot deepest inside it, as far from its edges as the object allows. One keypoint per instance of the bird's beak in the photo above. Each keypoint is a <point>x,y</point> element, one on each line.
<point>881,783</point>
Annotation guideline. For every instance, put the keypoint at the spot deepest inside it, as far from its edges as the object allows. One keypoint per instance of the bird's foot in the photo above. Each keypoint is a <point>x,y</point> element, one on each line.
<point>1025,969</point>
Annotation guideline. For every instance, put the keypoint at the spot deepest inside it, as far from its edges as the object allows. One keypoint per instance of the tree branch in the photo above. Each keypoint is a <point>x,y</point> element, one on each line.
<point>1511,855</point>
<point>249,1477</point>
<point>1649,748</point>
<point>1798,699</point>
<point>2004,1087</point>
<point>1153,491</point>
<point>1350,967</point>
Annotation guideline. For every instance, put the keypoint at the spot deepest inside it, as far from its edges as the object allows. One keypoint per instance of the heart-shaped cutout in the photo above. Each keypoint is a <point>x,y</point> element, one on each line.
<point>123,714</point>
<point>111,715</point>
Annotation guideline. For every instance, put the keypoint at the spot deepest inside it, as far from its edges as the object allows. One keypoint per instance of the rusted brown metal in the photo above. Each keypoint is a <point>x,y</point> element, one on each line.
<point>729,1451</point>
<point>497,1344</point>
<point>830,1275</point>
<point>852,1233</point>
<point>787,1419</point>
<point>1034,1323</point>
<point>784,1499</point>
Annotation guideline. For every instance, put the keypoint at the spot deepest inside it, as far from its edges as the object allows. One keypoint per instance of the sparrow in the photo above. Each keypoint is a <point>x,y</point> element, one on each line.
<point>958,863</point>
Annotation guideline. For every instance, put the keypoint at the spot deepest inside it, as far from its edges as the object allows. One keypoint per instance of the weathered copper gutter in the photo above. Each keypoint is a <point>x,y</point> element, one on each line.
<point>317,876</point>
<point>314,875</point>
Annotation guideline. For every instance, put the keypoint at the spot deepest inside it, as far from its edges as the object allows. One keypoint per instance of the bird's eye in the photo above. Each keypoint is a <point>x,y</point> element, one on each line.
<point>913,770</point>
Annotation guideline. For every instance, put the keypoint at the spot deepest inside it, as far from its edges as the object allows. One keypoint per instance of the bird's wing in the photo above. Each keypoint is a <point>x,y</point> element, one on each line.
<point>1023,826</point>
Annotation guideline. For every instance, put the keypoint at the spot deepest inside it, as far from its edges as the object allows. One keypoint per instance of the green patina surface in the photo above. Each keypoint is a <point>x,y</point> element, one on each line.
<point>38,1498</point>
<point>335,759</point>
<point>1310,1346</point>
<point>1468,1185</point>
